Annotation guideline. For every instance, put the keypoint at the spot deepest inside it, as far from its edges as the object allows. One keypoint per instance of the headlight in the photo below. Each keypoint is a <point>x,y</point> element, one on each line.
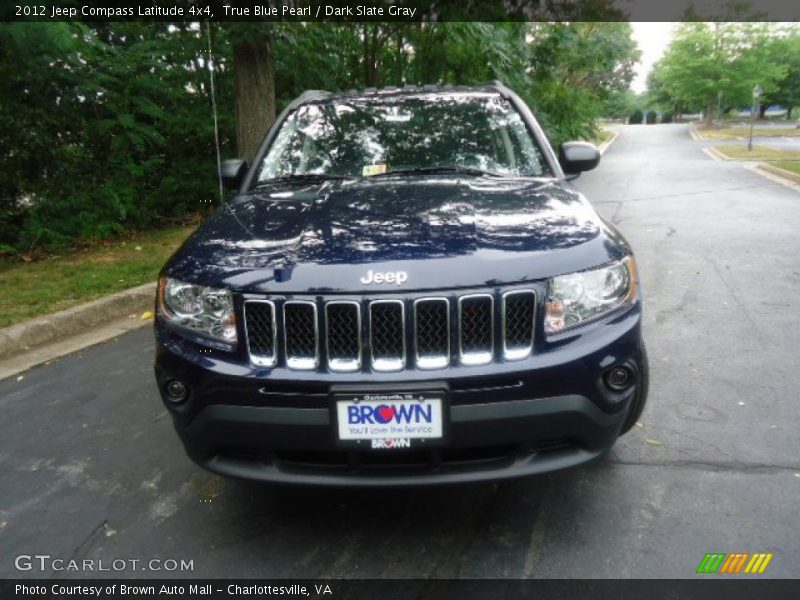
<point>578,297</point>
<point>208,311</point>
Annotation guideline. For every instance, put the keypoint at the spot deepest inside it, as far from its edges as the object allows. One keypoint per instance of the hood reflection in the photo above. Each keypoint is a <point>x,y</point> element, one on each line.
<point>365,221</point>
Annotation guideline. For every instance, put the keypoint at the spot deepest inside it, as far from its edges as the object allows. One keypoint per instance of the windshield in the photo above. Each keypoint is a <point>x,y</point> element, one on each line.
<point>367,137</point>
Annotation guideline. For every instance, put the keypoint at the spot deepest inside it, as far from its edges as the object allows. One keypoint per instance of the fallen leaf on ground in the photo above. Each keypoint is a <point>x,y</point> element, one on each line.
<point>653,442</point>
<point>639,424</point>
<point>741,403</point>
<point>148,314</point>
<point>21,377</point>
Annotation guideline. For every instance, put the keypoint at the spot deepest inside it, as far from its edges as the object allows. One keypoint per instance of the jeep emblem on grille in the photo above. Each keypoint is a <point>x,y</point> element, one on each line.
<point>398,277</point>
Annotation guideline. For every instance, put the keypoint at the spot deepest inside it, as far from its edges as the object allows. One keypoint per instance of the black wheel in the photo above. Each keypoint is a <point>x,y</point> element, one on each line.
<point>640,396</point>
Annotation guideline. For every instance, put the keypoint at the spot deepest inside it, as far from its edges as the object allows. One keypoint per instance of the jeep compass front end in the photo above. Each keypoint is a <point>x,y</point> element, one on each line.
<point>404,290</point>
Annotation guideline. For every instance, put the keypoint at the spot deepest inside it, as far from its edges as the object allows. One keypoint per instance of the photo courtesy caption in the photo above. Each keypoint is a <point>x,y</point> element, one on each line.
<point>58,589</point>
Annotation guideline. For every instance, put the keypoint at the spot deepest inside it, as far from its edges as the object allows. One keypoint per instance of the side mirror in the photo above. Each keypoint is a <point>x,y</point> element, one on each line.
<point>232,172</point>
<point>576,157</point>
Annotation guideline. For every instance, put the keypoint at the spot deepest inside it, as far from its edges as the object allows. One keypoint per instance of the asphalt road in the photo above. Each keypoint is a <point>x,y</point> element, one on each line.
<point>90,467</point>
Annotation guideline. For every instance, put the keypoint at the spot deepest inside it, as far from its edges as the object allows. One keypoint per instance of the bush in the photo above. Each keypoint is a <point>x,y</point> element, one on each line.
<point>636,117</point>
<point>666,117</point>
<point>650,117</point>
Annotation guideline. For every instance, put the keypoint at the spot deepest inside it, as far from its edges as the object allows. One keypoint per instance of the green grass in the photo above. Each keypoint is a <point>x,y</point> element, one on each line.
<point>742,132</point>
<point>757,153</point>
<point>603,135</point>
<point>793,166</point>
<point>58,282</point>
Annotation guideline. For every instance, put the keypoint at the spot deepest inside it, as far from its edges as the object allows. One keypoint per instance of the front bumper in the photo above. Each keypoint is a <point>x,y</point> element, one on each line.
<point>542,414</point>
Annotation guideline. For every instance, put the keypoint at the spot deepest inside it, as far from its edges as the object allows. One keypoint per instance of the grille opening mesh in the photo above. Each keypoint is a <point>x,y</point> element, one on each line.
<point>301,330</point>
<point>386,329</point>
<point>519,309</point>
<point>260,329</point>
<point>432,328</point>
<point>476,325</point>
<point>343,331</point>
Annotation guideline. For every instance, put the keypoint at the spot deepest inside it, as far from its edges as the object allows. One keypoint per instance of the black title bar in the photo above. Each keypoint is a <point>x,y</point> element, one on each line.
<point>700,588</point>
<point>274,11</point>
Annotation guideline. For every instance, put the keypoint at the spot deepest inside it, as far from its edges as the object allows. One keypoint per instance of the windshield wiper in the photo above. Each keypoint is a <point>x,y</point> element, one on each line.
<point>459,170</point>
<point>311,177</point>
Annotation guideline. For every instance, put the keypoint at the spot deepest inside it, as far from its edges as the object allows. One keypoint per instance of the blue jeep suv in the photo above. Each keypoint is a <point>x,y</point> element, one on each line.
<point>405,289</point>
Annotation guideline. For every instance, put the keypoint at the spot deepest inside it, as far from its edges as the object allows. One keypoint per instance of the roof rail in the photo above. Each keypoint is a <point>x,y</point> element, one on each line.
<point>310,96</point>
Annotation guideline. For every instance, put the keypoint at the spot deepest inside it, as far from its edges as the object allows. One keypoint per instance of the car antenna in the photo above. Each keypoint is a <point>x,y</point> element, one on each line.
<point>210,64</point>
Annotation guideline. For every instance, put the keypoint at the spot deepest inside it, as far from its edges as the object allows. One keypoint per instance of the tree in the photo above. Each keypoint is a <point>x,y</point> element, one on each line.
<point>106,127</point>
<point>254,95</point>
<point>621,104</point>
<point>783,48</point>
<point>704,60</point>
<point>577,68</point>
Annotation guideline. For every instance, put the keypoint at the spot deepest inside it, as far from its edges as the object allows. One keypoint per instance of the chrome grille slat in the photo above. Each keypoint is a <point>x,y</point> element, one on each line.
<point>387,334</point>
<point>476,329</point>
<point>343,335</point>
<point>432,333</point>
<point>261,332</point>
<point>519,307</point>
<point>301,334</point>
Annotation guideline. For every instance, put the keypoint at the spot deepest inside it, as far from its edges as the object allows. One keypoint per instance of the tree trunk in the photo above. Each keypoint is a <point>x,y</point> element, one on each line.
<point>762,111</point>
<point>254,65</point>
<point>789,114</point>
<point>710,111</point>
<point>373,45</point>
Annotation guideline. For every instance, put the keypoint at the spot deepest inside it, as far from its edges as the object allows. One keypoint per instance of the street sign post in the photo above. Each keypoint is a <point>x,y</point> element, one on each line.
<point>756,96</point>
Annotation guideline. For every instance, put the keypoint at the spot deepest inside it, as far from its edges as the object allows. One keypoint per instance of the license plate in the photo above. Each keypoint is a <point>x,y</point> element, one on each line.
<point>389,420</point>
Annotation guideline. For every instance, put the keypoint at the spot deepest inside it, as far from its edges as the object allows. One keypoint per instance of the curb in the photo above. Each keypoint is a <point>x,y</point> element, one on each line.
<point>605,145</point>
<point>49,328</point>
<point>715,154</point>
<point>776,174</point>
<point>793,177</point>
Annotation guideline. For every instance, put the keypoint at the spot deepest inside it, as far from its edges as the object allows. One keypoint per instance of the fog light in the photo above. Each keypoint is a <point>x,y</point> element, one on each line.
<point>619,378</point>
<point>176,391</point>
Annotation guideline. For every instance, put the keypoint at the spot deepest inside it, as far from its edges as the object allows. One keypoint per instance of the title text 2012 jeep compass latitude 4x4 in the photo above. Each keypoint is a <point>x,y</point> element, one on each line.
<point>404,290</point>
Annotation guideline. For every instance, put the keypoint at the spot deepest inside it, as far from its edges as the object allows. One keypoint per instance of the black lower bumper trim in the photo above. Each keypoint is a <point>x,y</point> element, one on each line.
<point>490,441</point>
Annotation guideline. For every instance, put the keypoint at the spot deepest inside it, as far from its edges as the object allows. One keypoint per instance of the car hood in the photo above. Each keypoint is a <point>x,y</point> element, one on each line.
<point>442,232</point>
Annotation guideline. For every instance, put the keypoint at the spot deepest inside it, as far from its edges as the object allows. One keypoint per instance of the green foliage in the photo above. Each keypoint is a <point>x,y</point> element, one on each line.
<point>783,48</point>
<point>666,117</point>
<point>650,117</point>
<point>621,104</point>
<point>708,65</point>
<point>636,117</point>
<point>107,127</point>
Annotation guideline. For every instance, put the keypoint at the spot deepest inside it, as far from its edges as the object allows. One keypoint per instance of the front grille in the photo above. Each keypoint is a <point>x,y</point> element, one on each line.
<point>259,318</point>
<point>300,334</point>
<point>518,308</point>
<point>432,332</point>
<point>387,335</point>
<point>390,334</point>
<point>476,320</point>
<point>343,332</point>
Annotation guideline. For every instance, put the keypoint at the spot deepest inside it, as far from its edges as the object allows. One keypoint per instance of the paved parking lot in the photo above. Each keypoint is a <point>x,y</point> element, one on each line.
<point>90,468</point>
